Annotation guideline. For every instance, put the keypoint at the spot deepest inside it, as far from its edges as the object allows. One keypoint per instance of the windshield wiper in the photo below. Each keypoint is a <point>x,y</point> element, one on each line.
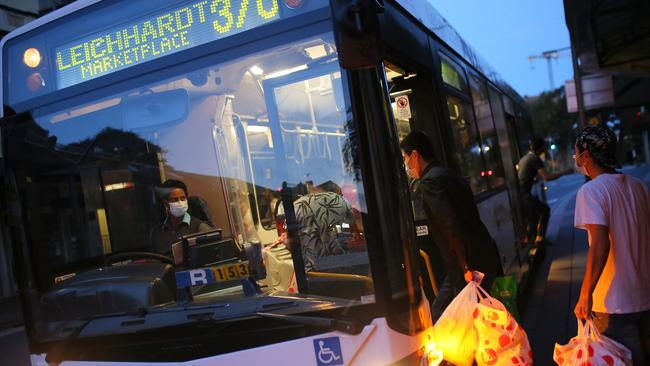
<point>349,326</point>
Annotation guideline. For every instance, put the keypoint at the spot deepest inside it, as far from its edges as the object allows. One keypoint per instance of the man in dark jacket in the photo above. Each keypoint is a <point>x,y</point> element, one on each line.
<point>464,243</point>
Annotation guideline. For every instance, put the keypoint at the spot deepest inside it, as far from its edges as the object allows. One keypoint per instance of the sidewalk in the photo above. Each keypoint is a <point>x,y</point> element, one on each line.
<point>549,315</point>
<point>555,285</point>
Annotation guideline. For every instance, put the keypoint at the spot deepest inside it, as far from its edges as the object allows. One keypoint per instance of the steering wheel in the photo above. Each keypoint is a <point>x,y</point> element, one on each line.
<point>123,256</point>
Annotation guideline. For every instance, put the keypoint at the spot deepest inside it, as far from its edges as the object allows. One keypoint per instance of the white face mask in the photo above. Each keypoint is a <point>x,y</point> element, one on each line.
<point>580,168</point>
<point>178,209</point>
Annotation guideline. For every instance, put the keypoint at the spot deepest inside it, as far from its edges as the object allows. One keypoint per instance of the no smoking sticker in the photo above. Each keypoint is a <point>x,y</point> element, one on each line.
<point>403,107</point>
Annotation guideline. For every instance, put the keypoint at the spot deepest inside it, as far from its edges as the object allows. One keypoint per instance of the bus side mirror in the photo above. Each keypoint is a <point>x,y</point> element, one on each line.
<point>356,27</point>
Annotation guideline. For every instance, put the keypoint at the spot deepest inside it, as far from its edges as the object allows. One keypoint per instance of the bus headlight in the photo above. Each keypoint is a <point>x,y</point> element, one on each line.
<point>32,57</point>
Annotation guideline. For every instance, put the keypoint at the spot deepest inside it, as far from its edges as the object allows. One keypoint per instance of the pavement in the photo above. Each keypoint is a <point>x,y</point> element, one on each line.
<point>548,315</point>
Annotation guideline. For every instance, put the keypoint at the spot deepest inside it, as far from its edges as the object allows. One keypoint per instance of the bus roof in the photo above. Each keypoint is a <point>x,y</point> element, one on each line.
<point>426,14</point>
<point>423,11</point>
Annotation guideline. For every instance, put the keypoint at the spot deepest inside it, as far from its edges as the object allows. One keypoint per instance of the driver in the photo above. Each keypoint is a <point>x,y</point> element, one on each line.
<point>178,222</point>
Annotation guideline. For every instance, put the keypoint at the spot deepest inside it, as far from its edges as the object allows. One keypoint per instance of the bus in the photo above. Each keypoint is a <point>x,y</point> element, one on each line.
<point>276,123</point>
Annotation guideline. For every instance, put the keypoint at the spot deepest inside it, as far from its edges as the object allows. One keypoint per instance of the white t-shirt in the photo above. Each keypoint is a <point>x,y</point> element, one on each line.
<point>622,203</point>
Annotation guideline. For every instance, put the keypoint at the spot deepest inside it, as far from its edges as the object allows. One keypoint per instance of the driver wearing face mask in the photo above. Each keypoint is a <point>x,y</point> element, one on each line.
<point>178,222</point>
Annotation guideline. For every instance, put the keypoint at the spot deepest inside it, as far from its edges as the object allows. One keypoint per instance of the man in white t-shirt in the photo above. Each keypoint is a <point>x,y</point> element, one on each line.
<point>615,210</point>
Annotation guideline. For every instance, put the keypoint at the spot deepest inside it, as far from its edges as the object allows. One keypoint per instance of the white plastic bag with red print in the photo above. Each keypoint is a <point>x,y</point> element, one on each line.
<point>454,333</point>
<point>500,339</point>
<point>590,348</point>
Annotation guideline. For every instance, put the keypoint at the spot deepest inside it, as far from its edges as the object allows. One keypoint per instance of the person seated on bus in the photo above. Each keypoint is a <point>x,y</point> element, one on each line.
<point>178,222</point>
<point>325,222</point>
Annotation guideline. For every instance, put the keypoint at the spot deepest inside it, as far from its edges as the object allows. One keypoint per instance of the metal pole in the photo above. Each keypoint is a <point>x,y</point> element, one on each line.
<point>550,72</point>
<point>577,78</point>
<point>646,146</point>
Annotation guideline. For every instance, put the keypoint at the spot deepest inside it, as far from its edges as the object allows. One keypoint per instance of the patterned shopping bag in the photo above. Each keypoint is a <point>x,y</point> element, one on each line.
<point>500,339</point>
<point>591,348</point>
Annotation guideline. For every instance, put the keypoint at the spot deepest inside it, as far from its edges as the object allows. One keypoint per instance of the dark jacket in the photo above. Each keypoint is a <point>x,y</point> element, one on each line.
<point>455,224</point>
<point>163,236</point>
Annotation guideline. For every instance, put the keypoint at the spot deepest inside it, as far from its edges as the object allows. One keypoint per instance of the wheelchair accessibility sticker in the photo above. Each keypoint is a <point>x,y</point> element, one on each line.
<point>328,351</point>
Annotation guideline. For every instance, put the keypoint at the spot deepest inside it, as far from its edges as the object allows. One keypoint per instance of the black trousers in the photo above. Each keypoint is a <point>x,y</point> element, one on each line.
<point>538,215</point>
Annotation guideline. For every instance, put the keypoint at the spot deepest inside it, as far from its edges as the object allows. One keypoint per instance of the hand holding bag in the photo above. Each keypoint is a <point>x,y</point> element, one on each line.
<point>590,347</point>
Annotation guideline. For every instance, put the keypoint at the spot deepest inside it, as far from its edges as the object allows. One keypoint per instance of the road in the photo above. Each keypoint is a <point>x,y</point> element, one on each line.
<point>566,187</point>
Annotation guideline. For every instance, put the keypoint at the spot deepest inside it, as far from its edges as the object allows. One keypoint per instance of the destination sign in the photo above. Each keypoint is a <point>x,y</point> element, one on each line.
<point>155,36</point>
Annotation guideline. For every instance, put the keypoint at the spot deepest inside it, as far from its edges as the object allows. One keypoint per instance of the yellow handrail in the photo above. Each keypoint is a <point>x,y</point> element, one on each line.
<point>341,276</point>
<point>432,277</point>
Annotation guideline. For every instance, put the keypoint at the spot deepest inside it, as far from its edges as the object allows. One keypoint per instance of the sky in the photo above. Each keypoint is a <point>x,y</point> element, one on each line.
<point>506,32</point>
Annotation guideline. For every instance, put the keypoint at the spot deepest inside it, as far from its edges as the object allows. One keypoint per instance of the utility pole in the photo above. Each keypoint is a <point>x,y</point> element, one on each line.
<point>550,55</point>
<point>577,80</point>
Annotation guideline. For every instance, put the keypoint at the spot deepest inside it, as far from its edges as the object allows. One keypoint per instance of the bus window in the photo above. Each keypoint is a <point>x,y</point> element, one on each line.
<point>453,74</point>
<point>400,98</point>
<point>229,131</point>
<point>488,134</point>
<point>467,147</point>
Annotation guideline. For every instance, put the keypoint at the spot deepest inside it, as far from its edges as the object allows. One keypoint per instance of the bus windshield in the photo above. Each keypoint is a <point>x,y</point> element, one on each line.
<point>248,159</point>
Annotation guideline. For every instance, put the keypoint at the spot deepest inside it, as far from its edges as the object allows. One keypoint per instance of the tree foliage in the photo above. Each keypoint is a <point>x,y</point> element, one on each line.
<point>551,119</point>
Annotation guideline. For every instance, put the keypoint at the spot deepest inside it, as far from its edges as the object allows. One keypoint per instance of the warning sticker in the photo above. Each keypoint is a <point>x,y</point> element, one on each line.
<point>403,107</point>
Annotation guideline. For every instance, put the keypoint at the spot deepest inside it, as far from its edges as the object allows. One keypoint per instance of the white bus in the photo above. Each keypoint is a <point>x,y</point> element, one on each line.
<point>278,123</point>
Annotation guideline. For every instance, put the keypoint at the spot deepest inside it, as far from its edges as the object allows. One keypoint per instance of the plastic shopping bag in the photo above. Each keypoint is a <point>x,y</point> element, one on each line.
<point>590,347</point>
<point>454,333</point>
<point>504,289</point>
<point>500,339</point>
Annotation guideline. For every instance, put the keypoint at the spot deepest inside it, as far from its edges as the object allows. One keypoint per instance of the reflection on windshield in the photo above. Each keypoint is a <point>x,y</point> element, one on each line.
<point>218,150</point>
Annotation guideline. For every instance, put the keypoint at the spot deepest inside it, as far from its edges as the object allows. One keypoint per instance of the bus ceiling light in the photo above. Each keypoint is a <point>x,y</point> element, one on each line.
<point>286,72</point>
<point>32,58</point>
<point>256,129</point>
<point>316,52</point>
<point>256,70</point>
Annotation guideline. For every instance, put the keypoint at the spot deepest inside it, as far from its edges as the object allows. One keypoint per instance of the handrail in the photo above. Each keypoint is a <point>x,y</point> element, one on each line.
<point>341,276</point>
<point>432,277</point>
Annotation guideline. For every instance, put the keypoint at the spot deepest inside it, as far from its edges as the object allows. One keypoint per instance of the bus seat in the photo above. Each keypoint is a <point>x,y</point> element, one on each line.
<point>198,208</point>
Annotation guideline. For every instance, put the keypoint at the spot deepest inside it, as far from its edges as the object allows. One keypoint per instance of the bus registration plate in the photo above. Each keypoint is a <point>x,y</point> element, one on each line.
<point>211,275</point>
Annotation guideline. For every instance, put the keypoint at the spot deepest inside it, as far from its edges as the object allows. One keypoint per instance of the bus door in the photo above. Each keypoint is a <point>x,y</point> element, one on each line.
<point>510,156</point>
<point>409,92</point>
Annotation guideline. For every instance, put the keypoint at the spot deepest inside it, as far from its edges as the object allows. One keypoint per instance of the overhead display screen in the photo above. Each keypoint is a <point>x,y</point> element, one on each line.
<point>157,35</point>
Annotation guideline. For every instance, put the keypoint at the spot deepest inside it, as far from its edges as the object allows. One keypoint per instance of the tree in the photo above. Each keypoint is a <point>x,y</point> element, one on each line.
<point>551,120</point>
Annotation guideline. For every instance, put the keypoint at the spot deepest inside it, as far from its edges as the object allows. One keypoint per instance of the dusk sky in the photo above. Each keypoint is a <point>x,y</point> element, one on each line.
<point>506,32</point>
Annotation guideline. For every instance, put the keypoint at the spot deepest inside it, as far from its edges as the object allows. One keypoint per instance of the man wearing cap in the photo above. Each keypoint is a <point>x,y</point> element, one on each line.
<point>615,210</point>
